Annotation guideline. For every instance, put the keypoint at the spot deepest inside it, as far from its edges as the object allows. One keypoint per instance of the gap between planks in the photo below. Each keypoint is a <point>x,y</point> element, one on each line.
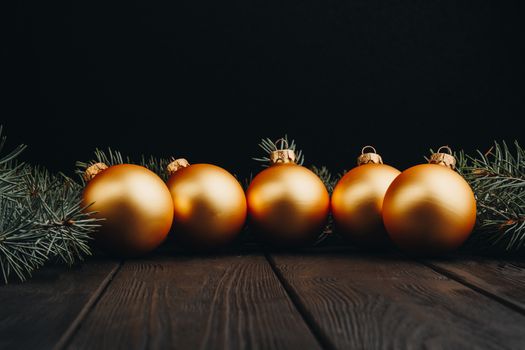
<point>509,303</point>
<point>90,304</point>
<point>321,337</point>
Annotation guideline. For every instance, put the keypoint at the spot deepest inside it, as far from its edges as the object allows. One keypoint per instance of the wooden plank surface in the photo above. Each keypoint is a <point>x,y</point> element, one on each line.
<point>195,302</point>
<point>382,302</point>
<point>35,314</point>
<point>503,279</point>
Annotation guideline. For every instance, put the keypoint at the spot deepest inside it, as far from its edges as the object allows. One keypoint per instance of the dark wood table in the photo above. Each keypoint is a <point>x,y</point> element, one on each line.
<point>332,298</point>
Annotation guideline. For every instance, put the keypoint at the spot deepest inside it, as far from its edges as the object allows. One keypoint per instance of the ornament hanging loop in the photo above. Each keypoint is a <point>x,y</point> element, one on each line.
<point>444,159</point>
<point>93,170</point>
<point>283,142</point>
<point>368,147</point>
<point>176,165</point>
<point>445,148</point>
<point>369,157</point>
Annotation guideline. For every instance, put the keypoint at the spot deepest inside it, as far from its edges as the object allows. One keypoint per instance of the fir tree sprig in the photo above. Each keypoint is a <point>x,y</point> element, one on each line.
<point>111,157</point>
<point>497,178</point>
<point>11,155</point>
<point>41,218</point>
<point>64,222</point>
<point>21,249</point>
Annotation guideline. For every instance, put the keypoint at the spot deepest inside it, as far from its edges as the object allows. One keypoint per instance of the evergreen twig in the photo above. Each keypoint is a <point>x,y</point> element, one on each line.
<point>111,157</point>
<point>498,180</point>
<point>41,218</point>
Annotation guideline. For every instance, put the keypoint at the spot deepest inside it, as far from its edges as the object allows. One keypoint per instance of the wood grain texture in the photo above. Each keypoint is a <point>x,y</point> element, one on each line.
<point>502,278</point>
<point>381,302</point>
<point>35,314</point>
<point>195,302</point>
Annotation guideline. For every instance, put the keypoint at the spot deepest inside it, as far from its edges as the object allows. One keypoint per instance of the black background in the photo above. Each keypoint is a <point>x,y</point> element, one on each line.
<point>206,79</point>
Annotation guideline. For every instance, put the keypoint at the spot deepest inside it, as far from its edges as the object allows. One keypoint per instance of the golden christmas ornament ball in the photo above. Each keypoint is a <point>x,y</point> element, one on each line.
<point>209,204</point>
<point>357,200</point>
<point>135,204</point>
<point>287,203</point>
<point>430,208</point>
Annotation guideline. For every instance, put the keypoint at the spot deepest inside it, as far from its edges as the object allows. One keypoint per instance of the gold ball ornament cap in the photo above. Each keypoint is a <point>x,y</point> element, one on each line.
<point>369,157</point>
<point>445,159</point>
<point>176,165</point>
<point>93,171</point>
<point>283,156</point>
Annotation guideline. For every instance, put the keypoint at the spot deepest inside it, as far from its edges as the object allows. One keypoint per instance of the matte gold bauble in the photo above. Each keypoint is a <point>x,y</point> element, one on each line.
<point>357,200</point>
<point>209,204</point>
<point>430,209</point>
<point>287,203</point>
<point>135,204</point>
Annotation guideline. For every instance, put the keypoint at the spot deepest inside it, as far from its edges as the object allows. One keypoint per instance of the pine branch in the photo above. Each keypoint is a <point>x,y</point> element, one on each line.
<point>59,215</point>
<point>111,157</point>
<point>10,173</point>
<point>108,157</point>
<point>41,218</point>
<point>21,248</point>
<point>13,154</point>
<point>498,180</point>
